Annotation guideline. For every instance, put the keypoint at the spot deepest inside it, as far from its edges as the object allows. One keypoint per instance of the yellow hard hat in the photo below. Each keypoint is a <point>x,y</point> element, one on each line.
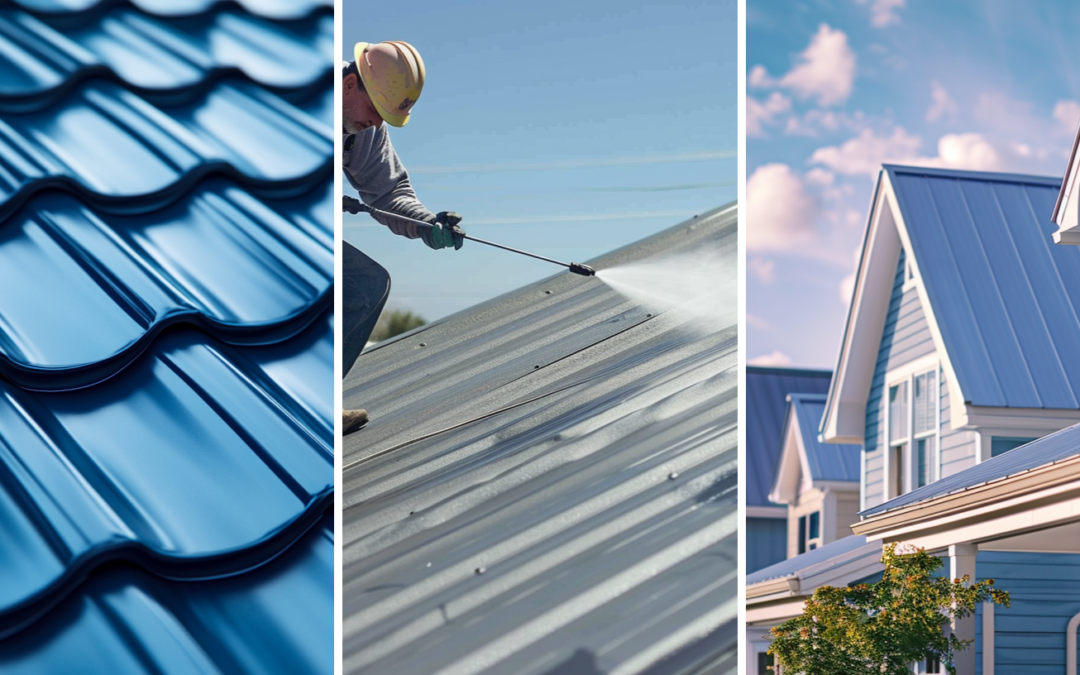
<point>393,75</point>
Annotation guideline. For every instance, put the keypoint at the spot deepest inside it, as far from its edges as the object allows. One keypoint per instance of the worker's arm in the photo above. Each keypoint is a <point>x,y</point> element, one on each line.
<point>374,169</point>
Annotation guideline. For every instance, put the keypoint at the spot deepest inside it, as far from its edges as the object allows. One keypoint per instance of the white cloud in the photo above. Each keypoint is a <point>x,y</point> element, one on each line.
<point>867,152</point>
<point>883,12</point>
<point>1067,114</point>
<point>847,287</point>
<point>943,103</point>
<point>780,213</point>
<point>966,151</point>
<point>826,69</point>
<point>776,358</point>
<point>763,269</point>
<point>757,322</point>
<point>759,113</point>
<point>759,77</point>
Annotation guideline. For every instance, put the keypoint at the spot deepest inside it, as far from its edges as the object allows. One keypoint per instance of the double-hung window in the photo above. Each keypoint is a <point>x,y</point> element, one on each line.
<point>809,532</point>
<point>912,446</point>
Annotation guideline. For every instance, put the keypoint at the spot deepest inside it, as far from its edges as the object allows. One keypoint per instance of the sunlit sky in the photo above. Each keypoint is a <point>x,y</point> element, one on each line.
<point>837,87</point>
<point>565,128</point>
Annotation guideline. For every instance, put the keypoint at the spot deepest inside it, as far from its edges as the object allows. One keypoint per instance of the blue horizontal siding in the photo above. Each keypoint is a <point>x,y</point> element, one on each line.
<point>766,542</point>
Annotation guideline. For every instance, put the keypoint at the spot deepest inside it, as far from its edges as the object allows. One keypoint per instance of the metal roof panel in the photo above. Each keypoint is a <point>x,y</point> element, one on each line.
<point>827,461</point>
<point>561,492</point>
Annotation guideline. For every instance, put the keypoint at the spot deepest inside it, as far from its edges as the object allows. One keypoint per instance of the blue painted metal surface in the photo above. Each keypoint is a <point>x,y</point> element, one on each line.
<point>766,542</point>
<point>766,403</point>
<point>1005,297</point>
<point>271,9</point>
<point>826,461</point>
<point>839,549</point>
<point>166,337</point>
<point>1056,447</point>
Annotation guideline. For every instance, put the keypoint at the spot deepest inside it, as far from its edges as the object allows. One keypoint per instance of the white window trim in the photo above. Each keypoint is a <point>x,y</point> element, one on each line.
<point>910,281</point>
<point>986,435</point>
<point>907,373</point>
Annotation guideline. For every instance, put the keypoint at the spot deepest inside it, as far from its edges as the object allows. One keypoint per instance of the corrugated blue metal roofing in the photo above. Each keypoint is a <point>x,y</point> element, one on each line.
<point>827,461</point>
<point>166,339</point>
<point>1040,452</point>
<point>839,550</point>
<point>766,404</point>
<point>548,485</point>
<point>1004,296</point>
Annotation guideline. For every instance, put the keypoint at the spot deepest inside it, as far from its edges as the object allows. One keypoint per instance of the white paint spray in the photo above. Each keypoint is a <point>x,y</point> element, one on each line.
<point>699,287</point>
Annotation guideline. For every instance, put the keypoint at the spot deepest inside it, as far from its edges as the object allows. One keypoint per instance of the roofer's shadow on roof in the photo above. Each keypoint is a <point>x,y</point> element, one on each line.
<point>581,662</point>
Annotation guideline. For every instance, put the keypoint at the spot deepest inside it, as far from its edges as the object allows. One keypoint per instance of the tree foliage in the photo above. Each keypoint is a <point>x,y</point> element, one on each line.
<point>883,627</point>
<point>395,322</point>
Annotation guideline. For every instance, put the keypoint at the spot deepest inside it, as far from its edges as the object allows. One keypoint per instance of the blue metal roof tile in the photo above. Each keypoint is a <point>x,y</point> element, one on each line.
<point>766,405</point>
<point>1057,446</point>
<point>282,10</point>
<point>827,461</point>
<point>112,146</point>
<point>221,259</point>
<point>41,54</point>
<point>193,413</point>
<point>839,549</point>
<point>278,618</point>
<point>1004,296</point>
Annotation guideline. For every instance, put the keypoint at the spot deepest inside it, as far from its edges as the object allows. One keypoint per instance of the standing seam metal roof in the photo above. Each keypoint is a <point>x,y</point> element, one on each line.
<point>559,495</point>
<point>827,461</point>
<point>1004,296</point>
<point>166,339</point>
<point>766,404</point>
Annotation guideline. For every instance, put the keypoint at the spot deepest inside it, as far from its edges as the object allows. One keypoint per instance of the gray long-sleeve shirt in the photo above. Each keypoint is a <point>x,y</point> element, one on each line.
<point>375,170</point>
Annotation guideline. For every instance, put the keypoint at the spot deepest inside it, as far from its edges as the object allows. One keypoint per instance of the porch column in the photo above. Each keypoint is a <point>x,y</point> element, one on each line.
<point>961,562</point>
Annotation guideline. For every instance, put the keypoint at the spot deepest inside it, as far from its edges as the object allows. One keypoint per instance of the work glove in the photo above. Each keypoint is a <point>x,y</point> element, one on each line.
<point>444,232</point>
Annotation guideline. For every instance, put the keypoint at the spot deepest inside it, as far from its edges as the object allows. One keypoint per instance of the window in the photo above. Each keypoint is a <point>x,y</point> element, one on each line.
<point>931,666</point>
<point>809,532</point>
<point>765,663</point>
<point>999,445</point>
<point>912,427</point>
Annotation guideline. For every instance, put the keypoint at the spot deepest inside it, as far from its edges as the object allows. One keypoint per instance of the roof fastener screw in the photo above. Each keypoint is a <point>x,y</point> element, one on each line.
<point>547,292</point>
<point>536,367</point>
<point>673,475</point>
<point>480,570</point>
<point>429,564</point>
<point>423,344</point>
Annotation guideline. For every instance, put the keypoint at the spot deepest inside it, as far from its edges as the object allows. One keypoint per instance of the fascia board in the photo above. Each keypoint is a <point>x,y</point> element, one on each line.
<point>777,512</point>
<point>1065,194</point>
<point>1002,498</point>
<point>837,485</point>
<point>957,410</point>
<point>1043,420</point>
<point>783,586</point>
<point>845,409</point>
<point>774,613</point>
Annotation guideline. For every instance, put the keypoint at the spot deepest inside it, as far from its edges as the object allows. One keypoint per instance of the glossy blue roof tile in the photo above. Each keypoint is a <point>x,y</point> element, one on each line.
<point>221,259</point>
<point>113,146</point>
<point>827,461</point>
<point>41,54</point>
<point>278,618</point>
<point>766,405</point>
<point>163,464</point>
<point>1005,297</point>
<point>270,9</point>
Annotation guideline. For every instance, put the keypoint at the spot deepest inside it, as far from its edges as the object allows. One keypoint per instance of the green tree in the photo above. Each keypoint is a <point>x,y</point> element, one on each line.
<point>883,627</point>
<point>395,322</point>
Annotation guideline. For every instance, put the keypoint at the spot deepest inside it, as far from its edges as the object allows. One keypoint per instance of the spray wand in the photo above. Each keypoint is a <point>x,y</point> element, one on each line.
<point>353,205</point>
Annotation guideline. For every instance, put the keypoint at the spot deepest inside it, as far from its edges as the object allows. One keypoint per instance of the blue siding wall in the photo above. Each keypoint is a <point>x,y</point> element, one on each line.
<point>766,542</point>
<point>1044,588</point>
<point>957,447</point>
<point>906,337</point>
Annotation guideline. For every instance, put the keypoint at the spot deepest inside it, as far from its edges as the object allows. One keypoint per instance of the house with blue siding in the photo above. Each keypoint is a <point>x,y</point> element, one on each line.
<point>767,390</point>
<point>959,378</point>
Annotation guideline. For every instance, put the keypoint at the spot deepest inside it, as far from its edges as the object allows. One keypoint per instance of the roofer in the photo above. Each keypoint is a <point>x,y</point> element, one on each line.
<point>379,87</point>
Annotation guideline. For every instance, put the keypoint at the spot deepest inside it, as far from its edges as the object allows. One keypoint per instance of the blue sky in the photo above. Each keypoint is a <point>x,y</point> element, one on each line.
<point>835,88</point>
<point>565,128</point>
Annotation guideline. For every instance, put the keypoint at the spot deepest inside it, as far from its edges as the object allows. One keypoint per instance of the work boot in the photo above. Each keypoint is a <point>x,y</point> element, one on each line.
<point>352,420</point>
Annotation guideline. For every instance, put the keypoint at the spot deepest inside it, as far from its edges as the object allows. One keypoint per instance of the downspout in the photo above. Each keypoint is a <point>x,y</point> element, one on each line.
<point>1070,645</point>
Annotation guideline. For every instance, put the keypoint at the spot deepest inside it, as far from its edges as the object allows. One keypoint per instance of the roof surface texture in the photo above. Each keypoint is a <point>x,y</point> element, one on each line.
<point>166,337</point>
<point>548,484</point>
<point>1004,295</point>
<point>766,404</point>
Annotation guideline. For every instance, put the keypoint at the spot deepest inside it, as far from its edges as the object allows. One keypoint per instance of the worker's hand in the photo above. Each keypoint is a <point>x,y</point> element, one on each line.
<point>444,232</point>
<point>351,204</point>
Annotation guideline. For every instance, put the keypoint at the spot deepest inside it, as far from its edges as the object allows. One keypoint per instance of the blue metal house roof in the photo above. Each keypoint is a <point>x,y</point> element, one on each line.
<point>166,338</point>
<point>838,549</point>
<point>766,404</point>
<point>1004,296</point>
<point>1040,452</point>
<point>827,461</point>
